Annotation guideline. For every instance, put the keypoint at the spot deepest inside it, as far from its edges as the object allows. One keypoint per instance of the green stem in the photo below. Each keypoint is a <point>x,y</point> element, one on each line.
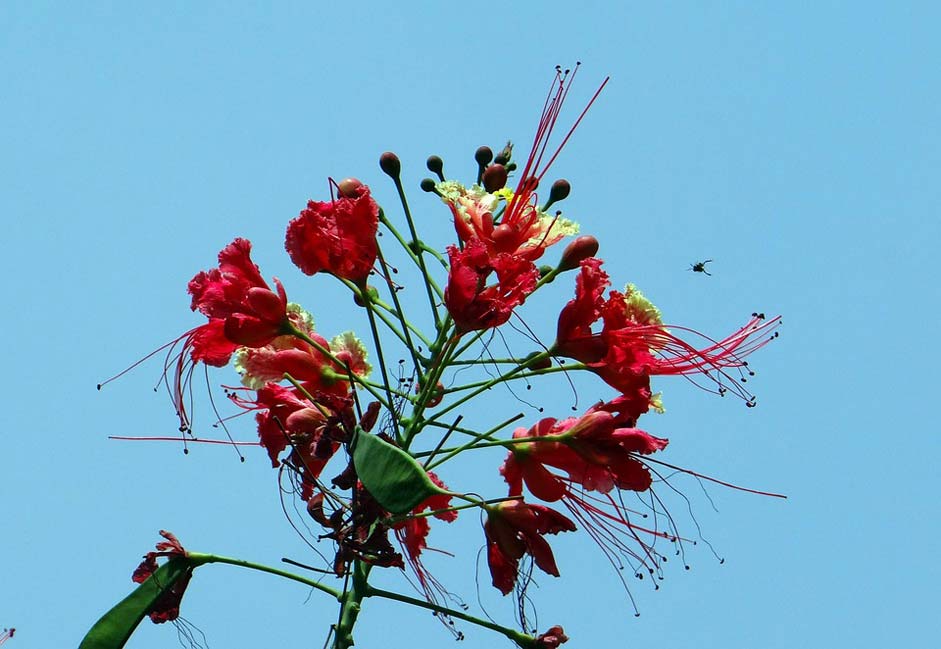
<point>370,313</point>
<point>351,603</point>
<point>492,382</point>
<point>417,257</point>
<point>521,639</point>
<point>350,375</point>
<point>517,377</point>
<point>416,362</point>
<point>199,558</point>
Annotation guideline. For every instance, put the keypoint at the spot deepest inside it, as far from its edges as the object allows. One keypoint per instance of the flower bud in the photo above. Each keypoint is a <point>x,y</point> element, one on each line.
<point>390,164</point>
<point>580,249</point>
<point>428,185</point>
<point>349,187</point>
<point>495,177</point>
<point>560,190</point>
<point>436,166</point>
<point>483,156</point>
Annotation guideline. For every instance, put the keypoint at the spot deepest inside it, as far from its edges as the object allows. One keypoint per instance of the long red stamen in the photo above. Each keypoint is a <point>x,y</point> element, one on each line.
<point>534,170</point>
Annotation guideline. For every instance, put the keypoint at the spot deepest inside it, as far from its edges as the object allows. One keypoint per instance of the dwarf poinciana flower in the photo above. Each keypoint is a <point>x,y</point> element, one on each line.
<point>167,607</point>
<point>236,293</point>
<point>338,236</point>
<point>527,235</point>
<point>515,528</point>
<point>324,367</point>
<point>242,311</point>
<point>286,418</point>
<point>470,301</point>
<point>634,344</point>
<point>595,453</point>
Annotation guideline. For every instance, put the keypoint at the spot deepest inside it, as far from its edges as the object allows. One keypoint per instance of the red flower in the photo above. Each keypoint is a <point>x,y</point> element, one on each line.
<point>513,529</point>
<point>167,607</point>
<point>242,311</point>
<point>591,449</point>
<point>338,237</point>
<point>286,419</point>
<point>306,363</point>
<point>235,293</point>
<point>469,300</point>
<point>634,344</point>
<point>526,235</point>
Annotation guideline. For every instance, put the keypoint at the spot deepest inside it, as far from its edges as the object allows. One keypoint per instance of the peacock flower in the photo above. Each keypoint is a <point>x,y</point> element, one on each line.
<point>337,237</point>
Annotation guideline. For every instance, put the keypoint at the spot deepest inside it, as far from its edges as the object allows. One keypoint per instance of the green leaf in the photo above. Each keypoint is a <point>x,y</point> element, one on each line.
<point>394,478</point>
<point>115,627</point>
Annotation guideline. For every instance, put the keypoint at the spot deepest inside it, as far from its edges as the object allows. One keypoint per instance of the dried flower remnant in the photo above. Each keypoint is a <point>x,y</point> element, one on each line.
<point>167,607</point>
<point>514,529</point>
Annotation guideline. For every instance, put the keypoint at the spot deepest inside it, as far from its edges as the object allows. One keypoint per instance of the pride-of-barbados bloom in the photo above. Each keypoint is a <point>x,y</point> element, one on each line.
<point>634,343</point>
<point>323,369</point>
<point>527,236</point>
<point>235,293</point>
<point>470,301</point>
<point>596,454</point>
<point>513,529</point>
<point>167,606</point>
<point>286,418</point>
<point>243,311</point>
<point>339,236</point>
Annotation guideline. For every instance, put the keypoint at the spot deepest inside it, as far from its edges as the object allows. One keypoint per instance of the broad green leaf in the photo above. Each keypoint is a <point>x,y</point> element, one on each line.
<point>115,627</point>
<point>394,478</point>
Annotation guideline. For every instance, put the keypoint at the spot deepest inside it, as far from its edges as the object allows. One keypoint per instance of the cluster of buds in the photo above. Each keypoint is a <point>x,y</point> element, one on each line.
<point>316,402</point>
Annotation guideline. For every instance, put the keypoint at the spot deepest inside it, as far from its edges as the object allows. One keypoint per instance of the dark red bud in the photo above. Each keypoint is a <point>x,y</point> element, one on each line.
<point>390,164</point>
<point>495,177</point>
<point>428,185</point>
<point>435,165</point>
<point>483,156</point>
<point>560,190</point>
<point>349,187</point>
<point>580,249</point>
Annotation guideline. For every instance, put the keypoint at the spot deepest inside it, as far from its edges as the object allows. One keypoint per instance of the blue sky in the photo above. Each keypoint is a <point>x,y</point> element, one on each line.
<point>792,143</point>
